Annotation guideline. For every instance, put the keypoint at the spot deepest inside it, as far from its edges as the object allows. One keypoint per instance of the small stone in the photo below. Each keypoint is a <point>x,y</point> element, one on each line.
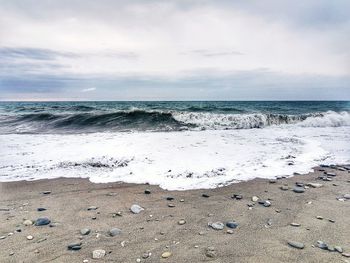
<point>205,195</point>
<point>74,246</point>
<point>166,254</point>
<point>114,232</point>
<point>322,245</point>
<point>171,205</point>
<point>295,244</point>
<point>331,248</point>
<point>98,253</point>
<point>30,237</point>
<point>136,209</point>
<point>40,209</point>
<point>319,217</point>
<point>298,189</point>
<point>182,200</point>
<point>145,255</point>
<point>295,224</point>
<point>91,208</point>
<point>169,198</point>
<point>315,185</point>
<point>36,251</point>
<point>217,225</point>
<point>346,196</point>
<point>232,224</point>
<point>85,231</point>
<point>331,220</point>
<point>229,231</point>
<point>181,222</point>
<point>27,222</point>
<point>42,221</point>
<point>347,255</point>
<point>338,249</point>
<point>267,203</point>
<point>46,192</point>
<point>272,181</point>
<point>147,192</point>
<point>237,197</point>
<point>255,198</point>
<point>85,261</point>
<point>284,187</point>
<point>210,252</point>
<point>330,174</point>
<point>138,260</point>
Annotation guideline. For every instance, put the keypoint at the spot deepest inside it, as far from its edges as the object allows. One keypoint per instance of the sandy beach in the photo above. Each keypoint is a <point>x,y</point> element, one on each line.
<point>179,226</point>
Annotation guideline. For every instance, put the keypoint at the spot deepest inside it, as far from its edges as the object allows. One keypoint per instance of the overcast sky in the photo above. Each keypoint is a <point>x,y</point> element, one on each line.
<point>174,50</point>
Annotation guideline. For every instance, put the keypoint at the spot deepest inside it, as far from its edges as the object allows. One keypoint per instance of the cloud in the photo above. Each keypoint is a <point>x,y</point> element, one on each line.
<point>170,42</point>
<point>88,89</point>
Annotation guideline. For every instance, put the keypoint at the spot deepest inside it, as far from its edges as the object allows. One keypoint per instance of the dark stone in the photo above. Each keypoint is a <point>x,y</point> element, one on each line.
<point>74,246</point>
<point>205,195</point>
<point>46,192</point>
<point>298,189</point>
<point>42,221</point>
<point>232,224</point>
<point>169,198</point>
<point>237,197</point>
<point>147,192</point>
<point>296,244</point>
<point>40,209</point>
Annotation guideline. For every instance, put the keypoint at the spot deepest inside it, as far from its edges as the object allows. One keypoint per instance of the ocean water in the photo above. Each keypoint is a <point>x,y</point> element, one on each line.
<point>177,145</point>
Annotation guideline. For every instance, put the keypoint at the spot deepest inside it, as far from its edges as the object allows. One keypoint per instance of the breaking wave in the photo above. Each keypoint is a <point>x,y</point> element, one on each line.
<point>156,120</point>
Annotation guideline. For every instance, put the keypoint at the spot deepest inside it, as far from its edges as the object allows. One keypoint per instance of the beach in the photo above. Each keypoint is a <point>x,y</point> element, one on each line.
<point>269,221</point>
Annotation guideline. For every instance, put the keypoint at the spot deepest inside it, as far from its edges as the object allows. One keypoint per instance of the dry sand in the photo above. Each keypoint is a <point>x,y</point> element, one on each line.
<point>261,236</point>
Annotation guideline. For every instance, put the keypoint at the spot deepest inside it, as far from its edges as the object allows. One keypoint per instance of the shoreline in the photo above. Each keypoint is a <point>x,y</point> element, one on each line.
<point>262,234</point>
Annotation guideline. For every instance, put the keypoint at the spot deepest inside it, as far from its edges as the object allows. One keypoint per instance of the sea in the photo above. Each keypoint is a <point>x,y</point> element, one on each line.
<point>178,145</point>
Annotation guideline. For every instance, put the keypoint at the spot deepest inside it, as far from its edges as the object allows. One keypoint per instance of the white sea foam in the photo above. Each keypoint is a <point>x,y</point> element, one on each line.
<point>209,120</point>
<point>174,160</point>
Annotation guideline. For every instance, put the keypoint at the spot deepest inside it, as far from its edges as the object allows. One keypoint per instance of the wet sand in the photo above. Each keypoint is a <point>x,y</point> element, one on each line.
<point>262,234</point>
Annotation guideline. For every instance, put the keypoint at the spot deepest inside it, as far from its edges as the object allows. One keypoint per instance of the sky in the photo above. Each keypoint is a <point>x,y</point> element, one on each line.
<point>174,50</point>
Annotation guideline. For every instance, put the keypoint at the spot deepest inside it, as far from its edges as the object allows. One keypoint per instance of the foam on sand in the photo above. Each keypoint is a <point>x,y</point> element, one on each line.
<point>173,160</point>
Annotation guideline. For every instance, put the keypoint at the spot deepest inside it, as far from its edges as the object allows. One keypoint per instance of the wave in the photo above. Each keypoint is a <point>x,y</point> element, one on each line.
<point>143,120</point>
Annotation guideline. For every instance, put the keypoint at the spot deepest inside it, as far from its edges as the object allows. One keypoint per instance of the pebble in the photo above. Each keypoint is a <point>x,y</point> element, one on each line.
<point>347,255</point>
<point>98,253</point>
<point>298,189</point>
<point>138,260</point>
<point>46,192</point>
<point>267,203</point>
<point>232,224</point>
<point>319,217</point>
<point>205,195</point>
<point>229,231</point>
<point>315,185</point>
<point>27,222</point>
<point>299,184</point>
<point>166,254</point>
<point>136,209</point>
<point>284,187</point>
<point>295,224</point>
<point>210,252</point>
<point>322,245</point>
<point>237,197</point>
<point>181,222</point>
<point>146,255</point>
<point>42,221</point>
<point>40,209</point>
<point>338,249</point>
<point>30,237</point>
<point>182,200</point>
<point>147,192</point>
<point>114,232</point>
<point>295,244</point>
<point>346,196</point>
<point>91,208</point>
<point>217,225</point>
<point>2,237</point>
<point>85,231</point>
<point>74,246</point>
<point>255,198</point>
<point>272,181</point>
<point>171,205</point>
<point>169,198</point>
